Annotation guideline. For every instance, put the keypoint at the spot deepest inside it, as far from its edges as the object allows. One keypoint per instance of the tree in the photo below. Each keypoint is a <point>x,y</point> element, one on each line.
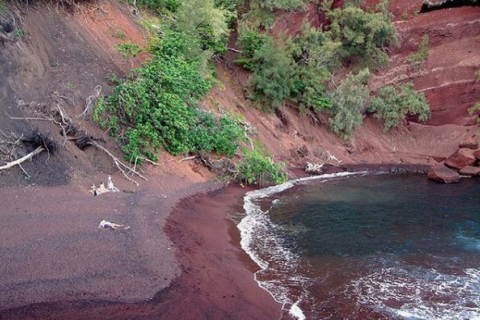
<point>392,104</point>
<point>363,34</point>
<point>274,74</point>
<point>348,102</point>
<point>202,20</point>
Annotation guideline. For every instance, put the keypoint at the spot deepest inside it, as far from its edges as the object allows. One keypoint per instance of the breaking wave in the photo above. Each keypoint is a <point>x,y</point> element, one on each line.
<point>417,293</point>
<point>265,248</point>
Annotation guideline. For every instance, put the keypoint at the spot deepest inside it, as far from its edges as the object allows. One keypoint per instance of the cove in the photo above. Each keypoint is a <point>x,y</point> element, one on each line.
<point>368,247</point>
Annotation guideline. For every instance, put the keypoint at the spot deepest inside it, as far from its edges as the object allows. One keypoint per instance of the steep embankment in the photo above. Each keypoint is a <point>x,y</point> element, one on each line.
<point>447,78</point>
<point>56,63</point>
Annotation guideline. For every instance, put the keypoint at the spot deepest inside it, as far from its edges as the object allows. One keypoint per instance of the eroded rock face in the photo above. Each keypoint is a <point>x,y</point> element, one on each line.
<point>470,171</point>
<point>470,143</point>
<point>442,174</point>
<point>460,159</point>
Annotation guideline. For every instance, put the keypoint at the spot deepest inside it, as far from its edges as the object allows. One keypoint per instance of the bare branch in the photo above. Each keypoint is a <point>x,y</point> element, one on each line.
<point>124,169</point>
<point>22,159</point>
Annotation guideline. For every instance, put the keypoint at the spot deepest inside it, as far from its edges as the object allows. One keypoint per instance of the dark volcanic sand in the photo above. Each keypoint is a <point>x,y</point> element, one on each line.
<point>216,281</point>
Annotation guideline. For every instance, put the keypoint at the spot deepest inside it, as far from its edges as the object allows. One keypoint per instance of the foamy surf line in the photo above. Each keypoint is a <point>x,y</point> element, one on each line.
<point>257,225</point>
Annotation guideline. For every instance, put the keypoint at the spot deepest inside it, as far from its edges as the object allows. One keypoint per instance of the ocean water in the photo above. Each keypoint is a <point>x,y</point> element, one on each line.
<point>367,247</point>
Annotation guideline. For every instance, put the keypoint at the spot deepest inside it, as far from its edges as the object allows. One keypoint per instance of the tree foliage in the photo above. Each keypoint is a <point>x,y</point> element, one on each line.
<point>393,104</point>
<point>349,100</point>
<point>422,54</point>
<point>202,20</point>
<point>362,34</point>
<point>156,107</point>
<point>258,170</point>
<point>299,69</point>
<point>274,75</point>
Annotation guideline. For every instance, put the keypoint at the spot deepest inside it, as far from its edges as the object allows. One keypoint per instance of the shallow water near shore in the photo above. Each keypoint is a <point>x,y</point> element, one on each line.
<point>368,247</point>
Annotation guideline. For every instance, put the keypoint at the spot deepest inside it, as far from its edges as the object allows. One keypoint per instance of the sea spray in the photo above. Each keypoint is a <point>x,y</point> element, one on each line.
<point>257,225</point>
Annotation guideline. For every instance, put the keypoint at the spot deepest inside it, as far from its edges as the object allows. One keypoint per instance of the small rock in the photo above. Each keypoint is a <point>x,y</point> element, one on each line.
<point>470,171</point>
<point>442,174</point>
<point>460,159</point>
<point>470,143</point>
<point>476,154</point>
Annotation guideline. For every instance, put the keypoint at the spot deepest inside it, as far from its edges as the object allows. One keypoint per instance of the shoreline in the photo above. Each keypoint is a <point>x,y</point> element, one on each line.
<point>216,280</point>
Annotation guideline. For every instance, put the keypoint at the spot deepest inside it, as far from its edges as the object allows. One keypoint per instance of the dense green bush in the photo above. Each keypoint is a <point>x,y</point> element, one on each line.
<point>256,169</point>
<point>274,75</point>
<point>202,20</point>
<point>299,69</point>
<point>362,34</point>
<point>250,42</point>
<point>271,5</point>
<point>156,107</point>
<point>349,101</point>
<point>392,104</point>
<point>159,5</point>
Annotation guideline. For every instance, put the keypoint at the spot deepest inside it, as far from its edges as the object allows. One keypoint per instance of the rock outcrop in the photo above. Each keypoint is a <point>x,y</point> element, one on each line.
<point>460,159</point>
<point>470,171</point>
<point>476,154</point>
<point>470,143</point>
<point>440,173</point>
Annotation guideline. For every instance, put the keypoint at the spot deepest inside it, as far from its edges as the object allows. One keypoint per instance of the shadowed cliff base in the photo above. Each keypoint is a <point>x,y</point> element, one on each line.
<point>428,6</point>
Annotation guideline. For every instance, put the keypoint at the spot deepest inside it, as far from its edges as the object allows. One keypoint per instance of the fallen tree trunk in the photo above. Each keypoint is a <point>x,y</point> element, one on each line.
<point>22,159</point>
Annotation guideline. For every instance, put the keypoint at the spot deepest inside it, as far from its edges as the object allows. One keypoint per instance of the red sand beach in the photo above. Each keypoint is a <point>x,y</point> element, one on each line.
<point>56,263</point>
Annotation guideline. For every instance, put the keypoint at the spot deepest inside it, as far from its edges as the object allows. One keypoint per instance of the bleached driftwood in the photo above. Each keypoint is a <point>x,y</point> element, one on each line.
<point>313,168</point>
<point>124,169</point>
<point>22,159</point>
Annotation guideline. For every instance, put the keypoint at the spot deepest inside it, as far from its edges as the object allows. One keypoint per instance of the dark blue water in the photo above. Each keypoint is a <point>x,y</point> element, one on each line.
<point>373,247</point>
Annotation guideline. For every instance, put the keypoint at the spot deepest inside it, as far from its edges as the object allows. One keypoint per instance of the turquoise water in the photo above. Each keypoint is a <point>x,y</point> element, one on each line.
<point>370,247</point>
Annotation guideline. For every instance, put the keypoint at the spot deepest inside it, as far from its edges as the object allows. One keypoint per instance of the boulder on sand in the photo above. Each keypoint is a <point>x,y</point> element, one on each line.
<point>470,143</point>
<point>470,171</point>
<point>440,173</point>
<point>460,159</point>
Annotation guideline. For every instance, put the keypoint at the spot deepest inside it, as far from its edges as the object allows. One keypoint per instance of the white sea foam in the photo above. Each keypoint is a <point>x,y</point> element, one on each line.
<point>418,293</point>
<point>258,240</point>
<point>296,312</point>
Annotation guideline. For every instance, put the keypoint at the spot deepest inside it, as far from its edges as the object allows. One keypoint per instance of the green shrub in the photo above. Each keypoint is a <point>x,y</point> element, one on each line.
<point>274,75</point>
<point>422,54</point>
<point>159,5</point>
<point>271,5</point>
<point>202,20</point>
<point>256,169</point>
<point>156,107</point>
<point>362,34</point>
<point>298,69</point>
<point>348,102</point>
<point>128,49</point>
<point>393,104</point>
<point>250,42</point>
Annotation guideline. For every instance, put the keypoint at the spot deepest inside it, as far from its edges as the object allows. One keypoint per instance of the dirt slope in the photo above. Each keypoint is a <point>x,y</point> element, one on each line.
<point>448,77</point>
<point>59,62</point>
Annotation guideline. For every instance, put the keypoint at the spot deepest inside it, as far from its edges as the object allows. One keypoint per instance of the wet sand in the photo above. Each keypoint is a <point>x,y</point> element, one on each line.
<point>56,264</point>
